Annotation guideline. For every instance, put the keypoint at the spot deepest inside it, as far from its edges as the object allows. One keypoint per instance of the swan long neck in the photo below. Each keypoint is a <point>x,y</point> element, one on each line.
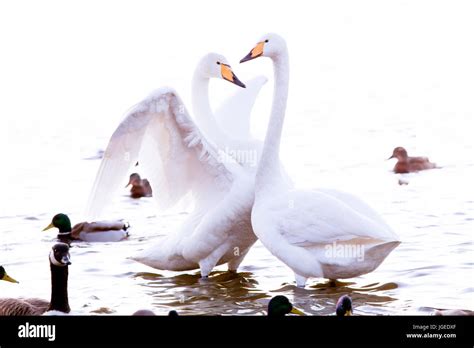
<point>202,108</point>
<point>268,173</point>
<point>59,298</point>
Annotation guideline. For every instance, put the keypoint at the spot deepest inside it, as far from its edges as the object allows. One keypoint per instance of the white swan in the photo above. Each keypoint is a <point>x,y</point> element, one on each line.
<point>229,126</point>
<point>320,233</point>
<point>179,161</point>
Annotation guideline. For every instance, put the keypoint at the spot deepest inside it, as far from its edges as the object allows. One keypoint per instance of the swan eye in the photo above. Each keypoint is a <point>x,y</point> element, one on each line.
<point>218,63</point>
<point>266,40</point>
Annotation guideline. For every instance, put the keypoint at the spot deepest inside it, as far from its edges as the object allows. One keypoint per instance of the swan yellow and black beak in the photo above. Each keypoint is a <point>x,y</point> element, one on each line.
<point>296,311</point>
<point>256,52</point>
<point>49,227</point>
<point>228,74</point>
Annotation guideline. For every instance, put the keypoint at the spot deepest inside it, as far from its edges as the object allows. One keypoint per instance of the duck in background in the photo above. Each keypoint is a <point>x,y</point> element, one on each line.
<point>4,276</point>
<point>140,187</point>
<point>99,231</point>
<point>59,261</point>
<point>407,164</point>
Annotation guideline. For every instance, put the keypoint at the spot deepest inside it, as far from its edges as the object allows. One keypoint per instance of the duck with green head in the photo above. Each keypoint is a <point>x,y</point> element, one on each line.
<point>99,231</point>
<point>4,276</point>
<point>279,306</point>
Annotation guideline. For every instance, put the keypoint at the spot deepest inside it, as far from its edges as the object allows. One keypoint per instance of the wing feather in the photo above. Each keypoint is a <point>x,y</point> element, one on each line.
<point>175,156</point>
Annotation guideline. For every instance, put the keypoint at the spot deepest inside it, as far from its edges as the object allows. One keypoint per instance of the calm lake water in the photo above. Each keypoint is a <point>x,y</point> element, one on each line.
<point>433,215</point>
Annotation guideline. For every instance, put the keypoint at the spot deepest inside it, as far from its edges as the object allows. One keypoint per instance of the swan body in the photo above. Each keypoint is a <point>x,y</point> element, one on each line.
<point>181,162</point>
<point>308,229</point>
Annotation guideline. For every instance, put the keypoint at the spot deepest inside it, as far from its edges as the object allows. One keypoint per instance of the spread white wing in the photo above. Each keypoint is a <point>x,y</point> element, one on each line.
<point>233,116</point>
<point>172,152</point>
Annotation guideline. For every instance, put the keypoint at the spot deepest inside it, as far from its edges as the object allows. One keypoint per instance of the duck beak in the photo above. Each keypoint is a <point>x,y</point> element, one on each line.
<point>297,311</point>
<point>7,278</point>
<point>48,227</point>
<point>256,52</point>
<point>348,313</point>
<point>228,74</point>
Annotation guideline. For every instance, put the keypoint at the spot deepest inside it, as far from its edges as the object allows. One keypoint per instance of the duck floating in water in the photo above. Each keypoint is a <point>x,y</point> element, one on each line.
<point>59,261</point>
<point>344,306</point>
<point>99,231</point>
<point>407,164</point>
<point>4,276</point>
<point>279,306</point>
<point>140,187</point>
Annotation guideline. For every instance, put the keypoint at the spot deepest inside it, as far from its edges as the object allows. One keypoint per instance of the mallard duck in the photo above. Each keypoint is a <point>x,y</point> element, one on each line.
<point>140,187</point>
<point>4,276</point>
<point>59,261</point>
<point>344,306</point>
<point>407,164</point>
<point>279,306</point>
<point>99,231</point>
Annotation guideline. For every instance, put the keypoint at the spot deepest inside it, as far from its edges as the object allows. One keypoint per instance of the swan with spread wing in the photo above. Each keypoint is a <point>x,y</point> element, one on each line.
<point>180,161</point>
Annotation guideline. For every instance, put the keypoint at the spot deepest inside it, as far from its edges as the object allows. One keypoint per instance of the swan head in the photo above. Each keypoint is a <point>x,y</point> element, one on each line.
<point>270,45</point>
<point>214,65</point>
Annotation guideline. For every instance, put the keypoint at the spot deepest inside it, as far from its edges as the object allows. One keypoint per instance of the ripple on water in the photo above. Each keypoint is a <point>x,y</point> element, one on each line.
<point>428,269</point>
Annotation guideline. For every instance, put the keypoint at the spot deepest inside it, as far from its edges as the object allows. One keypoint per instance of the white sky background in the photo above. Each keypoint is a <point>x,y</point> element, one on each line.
<point>85,63</point>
